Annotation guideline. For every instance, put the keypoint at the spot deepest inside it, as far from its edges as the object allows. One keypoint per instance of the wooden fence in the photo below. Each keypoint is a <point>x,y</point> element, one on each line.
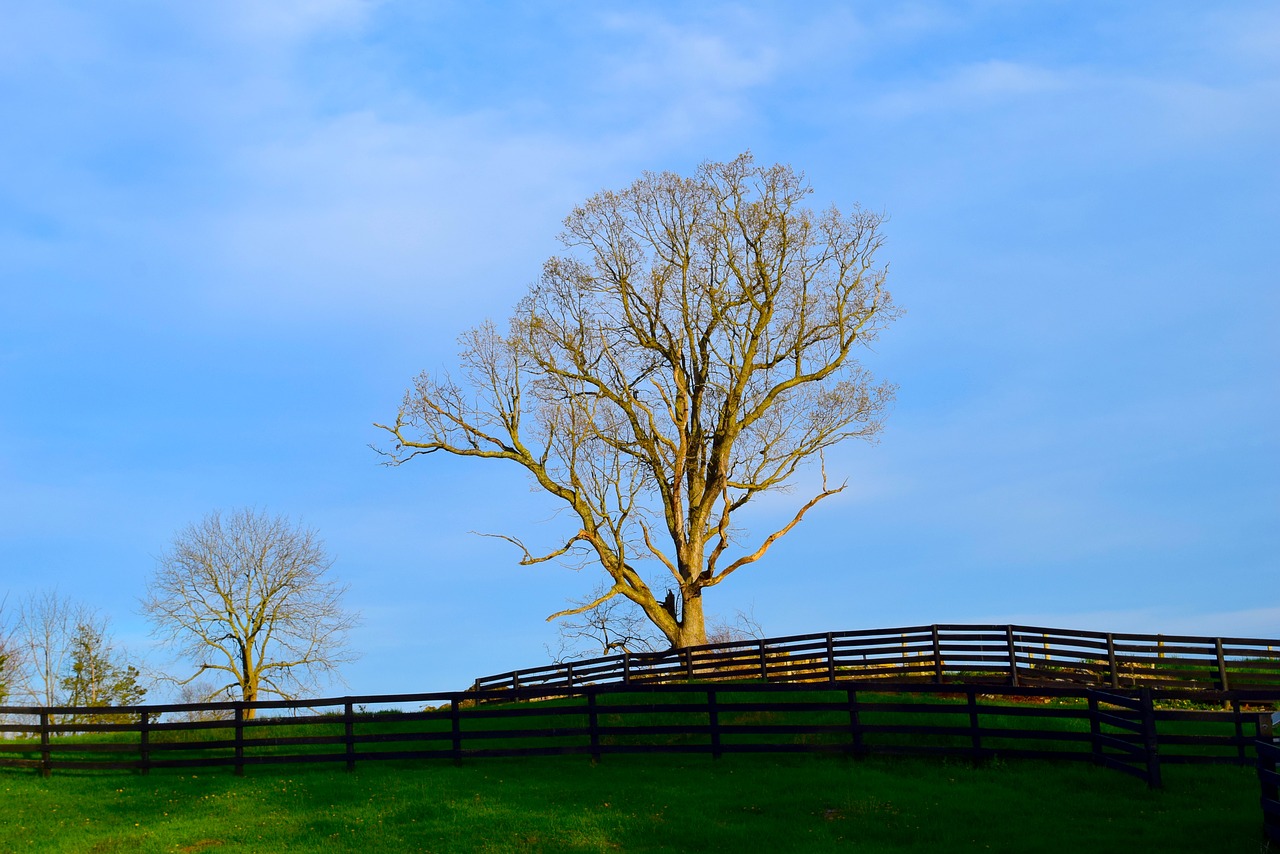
<point>1133,732</point>
<point>1267,748</point>
<point>1012,655</point>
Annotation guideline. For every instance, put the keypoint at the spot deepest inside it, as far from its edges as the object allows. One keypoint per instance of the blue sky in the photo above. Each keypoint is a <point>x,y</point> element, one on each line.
<point>231,234</point>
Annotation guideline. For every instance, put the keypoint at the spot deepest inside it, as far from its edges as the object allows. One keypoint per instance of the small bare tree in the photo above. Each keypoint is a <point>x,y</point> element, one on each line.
<point>246,597</point>
<point>610,625</point>
<point>743,626</point>
<point>698,349</point>
<point>202,691</point>
<point>10,658</point>
<point>45,635</point>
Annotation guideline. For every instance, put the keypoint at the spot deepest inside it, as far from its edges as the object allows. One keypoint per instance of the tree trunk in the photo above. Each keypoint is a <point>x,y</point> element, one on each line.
<point>693,628</point>
<point>249,690</point>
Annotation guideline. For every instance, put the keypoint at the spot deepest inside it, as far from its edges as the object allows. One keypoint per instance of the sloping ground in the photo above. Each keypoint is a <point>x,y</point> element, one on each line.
<point>636,804</point>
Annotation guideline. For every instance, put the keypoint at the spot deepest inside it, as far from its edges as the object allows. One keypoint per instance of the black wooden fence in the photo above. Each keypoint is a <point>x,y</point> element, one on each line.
<point>1010,654</point>
<point>1268,752</point>
<point>1130,731</point>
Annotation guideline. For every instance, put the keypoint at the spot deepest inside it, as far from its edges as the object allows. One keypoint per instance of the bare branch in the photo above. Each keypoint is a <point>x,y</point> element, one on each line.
<point>599,600</point>
<point>246,595</point>
<point>716,578</point>
<point>696,347</point>
<point>529,559</point>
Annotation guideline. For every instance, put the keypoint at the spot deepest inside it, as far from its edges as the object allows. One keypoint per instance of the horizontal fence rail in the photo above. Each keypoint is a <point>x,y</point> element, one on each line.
<point>1012,655</point>
<point>1133,732</point>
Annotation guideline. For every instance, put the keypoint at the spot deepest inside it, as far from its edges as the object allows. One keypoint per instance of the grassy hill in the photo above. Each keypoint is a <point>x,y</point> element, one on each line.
<point>636,803</point>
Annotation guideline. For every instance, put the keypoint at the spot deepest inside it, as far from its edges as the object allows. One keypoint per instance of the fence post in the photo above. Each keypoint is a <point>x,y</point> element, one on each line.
<point>831,658</point>
<point>626,667</point>
<point>713,717</point>
<point>1239,722</point>
<point>1267,766</point>
<point>764,662</point>
<point>1149,738</point>
<point>1111,658</point>
<point>144,741</point>
<point>937,655</point>
<point>975,733</point>
<point>1013,657</point>
<point>688,663</point>
<point>1222,666</point>
<point>568,683</point>
<point>1095,728</point>
<point>593,725</point>
<point>855,724</point>
<point>349,734</point>
<point>239,741</point>
<point>46,761</point>
<point>455,729</point>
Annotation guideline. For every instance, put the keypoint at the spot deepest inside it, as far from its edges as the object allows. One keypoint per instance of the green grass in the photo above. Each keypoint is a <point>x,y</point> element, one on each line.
<point>651,803</point>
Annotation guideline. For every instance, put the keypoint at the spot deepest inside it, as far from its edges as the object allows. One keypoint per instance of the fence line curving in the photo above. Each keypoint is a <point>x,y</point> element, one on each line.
<point>1132,732</point>
<point>1010,654</point>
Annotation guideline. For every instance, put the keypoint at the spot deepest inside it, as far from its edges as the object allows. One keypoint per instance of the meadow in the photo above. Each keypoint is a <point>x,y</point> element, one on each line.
<point>858,793</point>
<point>637,803</point>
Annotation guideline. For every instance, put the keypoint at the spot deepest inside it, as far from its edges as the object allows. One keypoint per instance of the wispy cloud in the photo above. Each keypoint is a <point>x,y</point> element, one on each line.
<point>287,20</point>
<point>993,83</point>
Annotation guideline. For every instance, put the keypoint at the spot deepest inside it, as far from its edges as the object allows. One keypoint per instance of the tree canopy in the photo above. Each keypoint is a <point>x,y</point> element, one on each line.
<point>98,675</point>
<point>245,598</point>
<point>695,347</point>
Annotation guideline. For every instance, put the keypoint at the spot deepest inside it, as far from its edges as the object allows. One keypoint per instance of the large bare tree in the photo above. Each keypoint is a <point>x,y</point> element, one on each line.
<point>245,597</point>
<point>694,350</point>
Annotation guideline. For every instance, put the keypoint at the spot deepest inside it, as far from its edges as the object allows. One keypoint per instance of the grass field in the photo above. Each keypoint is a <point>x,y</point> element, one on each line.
<point>649,803</point>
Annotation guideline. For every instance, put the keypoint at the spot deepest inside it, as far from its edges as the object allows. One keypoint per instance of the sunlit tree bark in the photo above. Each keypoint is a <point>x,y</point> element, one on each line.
<point>696,348</point>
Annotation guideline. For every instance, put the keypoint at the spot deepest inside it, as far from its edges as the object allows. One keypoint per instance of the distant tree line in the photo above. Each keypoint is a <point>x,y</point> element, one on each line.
<point>56,651</point>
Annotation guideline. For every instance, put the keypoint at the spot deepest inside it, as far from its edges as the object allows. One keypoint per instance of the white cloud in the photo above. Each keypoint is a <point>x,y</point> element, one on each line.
<point>675,58</point>
<point>362,213</point>
<point>683,79</point>
<point>287,21</point>
<point>994,83</point>
<point>1248,35</point>
<point>1203,114</point>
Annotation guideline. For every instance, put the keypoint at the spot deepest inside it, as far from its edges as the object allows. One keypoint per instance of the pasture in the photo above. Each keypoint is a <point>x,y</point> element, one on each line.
<point>795,763</point>
<point>636,803</point>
